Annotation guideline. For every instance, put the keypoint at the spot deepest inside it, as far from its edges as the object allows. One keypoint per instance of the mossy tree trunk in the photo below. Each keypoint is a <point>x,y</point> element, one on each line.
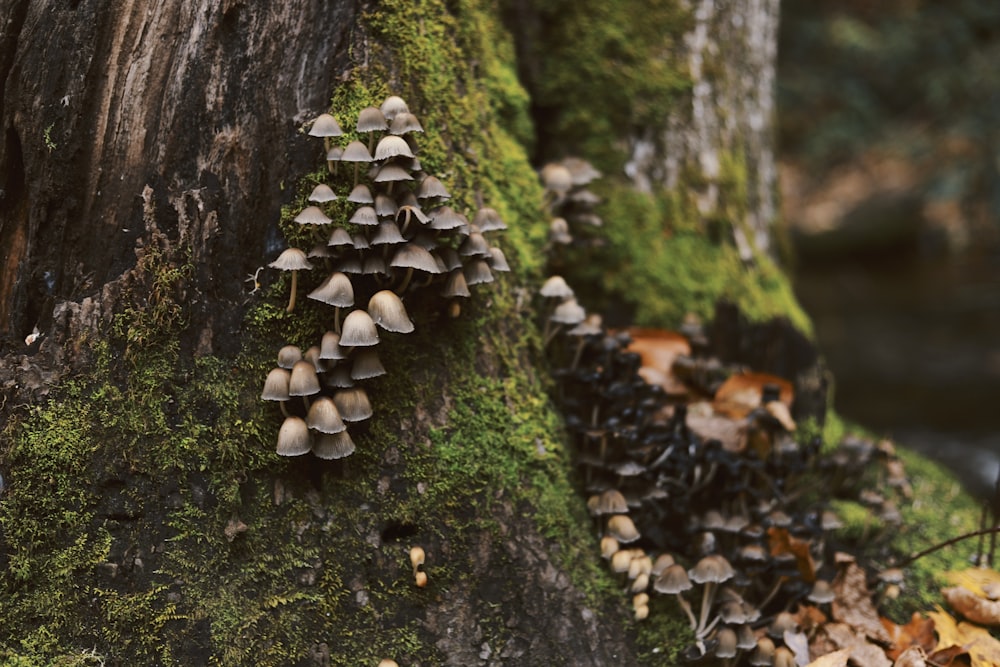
<point>146,154</point>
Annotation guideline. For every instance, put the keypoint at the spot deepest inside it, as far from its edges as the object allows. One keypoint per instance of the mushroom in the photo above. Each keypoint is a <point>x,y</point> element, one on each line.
<point>432,188</point>
<point>366,365</point>
<point>385,206</point>
<point>337,291</point>
<point>322,193</point>
<point>359,330</point>
<point>609,547</point>
<point>477,272</point>
<point>391,146</point>
<point>361,194</point>
<point>555,287</point>
<point>357,153</point>
<point>293,437</point>
<point>353,404</point>
<point>711,571</point>
<point>410,257</point>
<point>763,655</point>
<point>497,260</point>
<point>294,260</point>
<point>726,647</point>
<point>371,120</point>
<point>276,388</point>
<point>325,126</point>
<point>365,215</point>
<point>333,157</point>
<point>388,663</point>
<point>622,529</point>
<point>674,580</point>
<point>821,593</point>
<point>324,417</point>
<point>488,220</point>
<point>393,106</point>
<point>288,355</point>
<point>404,123</point>
<point>303,381</point>
<point>330,446</point>
<point>387,311</point>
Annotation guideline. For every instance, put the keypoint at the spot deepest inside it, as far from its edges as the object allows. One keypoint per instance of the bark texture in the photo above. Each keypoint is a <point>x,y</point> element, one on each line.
<point>731,53</point>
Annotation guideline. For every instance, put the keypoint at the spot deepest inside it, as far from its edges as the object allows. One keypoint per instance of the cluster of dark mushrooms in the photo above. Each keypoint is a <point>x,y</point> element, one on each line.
<point>400,238</point>
<point>729,526</point>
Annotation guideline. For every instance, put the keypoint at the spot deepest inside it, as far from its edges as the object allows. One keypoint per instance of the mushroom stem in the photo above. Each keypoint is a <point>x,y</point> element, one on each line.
<point>406,281</point>
<point>577,354</point>
<point>336,319</point>
<point>549,335</point>
<point>291,297</point>
<point>686,606</point>
<point>284,410</point>
<point>356,166</point>
<point>305,402</point>
<point>706,603</point>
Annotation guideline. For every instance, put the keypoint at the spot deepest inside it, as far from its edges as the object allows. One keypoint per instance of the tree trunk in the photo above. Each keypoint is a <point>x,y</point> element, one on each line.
<point>146,154</point>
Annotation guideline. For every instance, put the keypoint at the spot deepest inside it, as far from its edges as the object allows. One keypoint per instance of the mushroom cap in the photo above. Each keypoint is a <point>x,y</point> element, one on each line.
<point>276,385</point>
<point>430,187</point>
<point>325,125</point>
<point>329,347</point>
<point>449,256</point>
<point>385,206</point>
<point>556,178</point>
<point>763,654</point>
<point>488,220</point>
<point>713,568</point>
<point>353,404</point>
<point>387,234</point>
<point>622,529</point>
<point>569,312</point>
<point>291,259</point>
<point>304,381</point>
<point>358,330</point>
<point>821,593</point>
<point>336,290</point>
<point>393,106</point>
<point>312,356</point>
<point>405,123</point>
<point>324,417</point>
<point>361,194</point>
<point>374,264</point>
<point>497,260</point>
<point>477,272</point>
<point>356,152</point>
<point>371,119</point>
<point>581,171</point>
<point>674,579</point>
<point>329,446</point>
<point>414,257</point>
<point>406,211</point>
<point>583,197</point>
<point>475,245</point>
<point>609,546</point>
<point>455,285</point>
<point>334,154</point>
<point>555,287</point>
<point>745,638</point>
<point>366,364</point>
<point>339,237</point>
<point>726,648</point>
<point>445,217</point>
<point>312,215</point>
<point>339,377</point>
<point>391,146</point>
<point>592,325</point>
<point>662,562</point>
<point>365,215</point>
<point>387,311</point>
<point>288,355</point>
<point>293,437</point>
<point>360,242</point>
<point>621,560</point>
<point>319,250</point>
<point>611,501</point>
<point>559,231</point>
<point>391,172</point>
<point>322,193</point>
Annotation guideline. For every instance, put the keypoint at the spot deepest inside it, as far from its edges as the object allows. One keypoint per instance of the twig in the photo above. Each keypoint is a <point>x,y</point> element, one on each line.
<point>947,543</point>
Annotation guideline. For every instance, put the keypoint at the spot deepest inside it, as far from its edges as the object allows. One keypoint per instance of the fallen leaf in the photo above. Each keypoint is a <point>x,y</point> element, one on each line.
<point>911,657</point>
<point>983,649</point>
<point>853,604</point>
<point>980,580</point>
<point>780,542</point>
<point>918,633</point>
<point>835,659</point>
<point>976,609</point>
<point>798,643</point>
<point>863,653</point>
<point>730,432</point>
<point>809,617</point>
<point>742,392</point>
<point>658,348</point>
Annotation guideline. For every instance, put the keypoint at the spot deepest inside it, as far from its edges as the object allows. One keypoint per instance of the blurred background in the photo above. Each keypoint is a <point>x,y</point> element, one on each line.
<point>889,136</point>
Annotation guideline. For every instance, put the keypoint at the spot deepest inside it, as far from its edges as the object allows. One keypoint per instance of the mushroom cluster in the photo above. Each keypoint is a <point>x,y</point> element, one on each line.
<point>400,237</point>
<point>711,508</point>
<point>571,204</point>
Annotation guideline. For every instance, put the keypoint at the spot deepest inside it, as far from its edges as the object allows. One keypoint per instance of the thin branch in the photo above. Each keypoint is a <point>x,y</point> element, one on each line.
<point>947,543</point>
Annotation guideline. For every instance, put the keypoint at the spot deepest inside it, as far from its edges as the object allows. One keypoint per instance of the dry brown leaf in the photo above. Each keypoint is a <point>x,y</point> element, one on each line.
<point>780,411</point>
<point>809,618</point>
<point>730,432</point>
<point>658,348</point>
<point>780,541</point>
<point>835,659</point>
<point>742,392</point>
<point>980,580</point>
<point>911,657</point>
<point>919,633</point>
<point>863,653</point>
<point>853,604</point>
<point>976,609</point>
<point>983,649</point>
